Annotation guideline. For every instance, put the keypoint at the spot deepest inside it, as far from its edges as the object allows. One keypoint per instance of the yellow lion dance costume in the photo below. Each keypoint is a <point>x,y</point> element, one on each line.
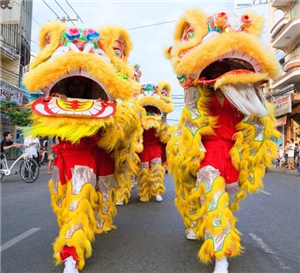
<point>223,141</point>
<point>157,102</point>
<point>85,77</point>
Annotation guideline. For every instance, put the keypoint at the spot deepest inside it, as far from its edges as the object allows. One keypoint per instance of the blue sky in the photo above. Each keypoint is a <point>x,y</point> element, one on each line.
<point>150,24</point>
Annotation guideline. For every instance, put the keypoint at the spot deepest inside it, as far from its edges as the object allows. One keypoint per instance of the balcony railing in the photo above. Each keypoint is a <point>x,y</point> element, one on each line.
<point>294,11</point>
<point>291,56</point>
<point>8,50</point>
<point>292,62</point>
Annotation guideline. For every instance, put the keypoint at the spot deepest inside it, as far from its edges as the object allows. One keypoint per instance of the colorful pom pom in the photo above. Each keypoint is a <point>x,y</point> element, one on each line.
<point>73,33</point>
<point>91,35</point>
<point>220,19</point>
<point>246,21</point>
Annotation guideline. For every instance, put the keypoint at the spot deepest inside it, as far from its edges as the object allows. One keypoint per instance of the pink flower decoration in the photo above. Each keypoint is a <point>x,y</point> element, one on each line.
<point>73,33</point>
<point>246,20</point>
<point>220,19</point>
<point>91,35</point>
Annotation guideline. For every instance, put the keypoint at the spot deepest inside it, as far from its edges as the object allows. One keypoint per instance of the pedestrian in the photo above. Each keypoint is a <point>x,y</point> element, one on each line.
<point>51,155</point>
<point>33,147</point>
<point>291,154</point>
<point>296,154</point>
<point>281,157</point>
<point>286,149</point>
<point>298,173</point>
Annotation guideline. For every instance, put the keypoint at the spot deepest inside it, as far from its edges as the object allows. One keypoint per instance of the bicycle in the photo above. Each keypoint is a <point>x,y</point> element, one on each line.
<point>29,168</point>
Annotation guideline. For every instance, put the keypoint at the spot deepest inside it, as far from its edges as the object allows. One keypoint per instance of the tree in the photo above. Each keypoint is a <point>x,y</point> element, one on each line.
<point>18,115</point>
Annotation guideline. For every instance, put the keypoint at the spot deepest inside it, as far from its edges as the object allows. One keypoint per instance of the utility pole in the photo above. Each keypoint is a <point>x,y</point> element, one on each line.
<point>64,19</point>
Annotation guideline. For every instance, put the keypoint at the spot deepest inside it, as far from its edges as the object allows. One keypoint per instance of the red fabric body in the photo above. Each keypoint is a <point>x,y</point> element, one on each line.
<point>218,146</point>
<point>152,146</point>
<point>68,251</point>
<point>69,155</point>
<point>105,164</point>
<point>163,152</point>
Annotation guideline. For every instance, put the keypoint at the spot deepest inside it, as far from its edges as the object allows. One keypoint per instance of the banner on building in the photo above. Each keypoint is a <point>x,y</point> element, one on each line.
<point>10,93</point>
<point>283,105</point>
<point>281,121</point>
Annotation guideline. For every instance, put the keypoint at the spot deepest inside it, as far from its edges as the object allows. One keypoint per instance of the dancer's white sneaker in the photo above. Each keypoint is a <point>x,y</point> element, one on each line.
<point>158,198</point>
<point>120,203</point>
<point>191,235</point>
<point>221,266</point>
<point>70,265</point>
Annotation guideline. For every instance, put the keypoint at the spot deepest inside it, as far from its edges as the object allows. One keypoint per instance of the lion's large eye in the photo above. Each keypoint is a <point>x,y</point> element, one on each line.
<point>118,53</point>
<point>164,93</point>
<point>118,48</point>
<point>188,33</point>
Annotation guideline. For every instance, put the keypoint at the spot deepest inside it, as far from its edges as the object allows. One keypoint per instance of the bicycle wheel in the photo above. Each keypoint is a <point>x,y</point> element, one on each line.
<point>2,168</point>
<point>29,170</point>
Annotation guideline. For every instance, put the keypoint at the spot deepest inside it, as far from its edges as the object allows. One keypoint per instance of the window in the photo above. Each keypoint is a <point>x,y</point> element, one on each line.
<point>280,56</point>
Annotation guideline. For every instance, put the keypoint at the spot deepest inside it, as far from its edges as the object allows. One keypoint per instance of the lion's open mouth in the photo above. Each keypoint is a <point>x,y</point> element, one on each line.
<point>152,110</point>
<point>84,97</point>
<point>230,63</point>
<point>77,84</point>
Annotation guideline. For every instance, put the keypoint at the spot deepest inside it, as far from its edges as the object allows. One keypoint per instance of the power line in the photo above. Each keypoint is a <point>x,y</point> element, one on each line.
<point>167,22</point>
<point>68,17</point>
<point>51,9</point>
<point>74,11</point>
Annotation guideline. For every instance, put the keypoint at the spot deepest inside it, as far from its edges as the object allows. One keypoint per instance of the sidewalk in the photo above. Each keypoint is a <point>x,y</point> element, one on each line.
<point>283,170</point>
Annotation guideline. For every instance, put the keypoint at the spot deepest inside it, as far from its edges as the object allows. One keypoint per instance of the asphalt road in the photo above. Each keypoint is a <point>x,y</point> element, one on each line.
<point>150,236</point>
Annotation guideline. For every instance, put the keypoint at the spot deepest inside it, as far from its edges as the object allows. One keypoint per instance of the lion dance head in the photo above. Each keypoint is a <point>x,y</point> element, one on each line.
<point>90,68</point>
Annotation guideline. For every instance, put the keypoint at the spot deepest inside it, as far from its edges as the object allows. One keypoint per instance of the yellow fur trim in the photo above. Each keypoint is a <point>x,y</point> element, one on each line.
<point>49,71</point>
<point>202,54</point>
<point>197,19</point>
<point>67,128</point>
<point>109,35</point>
<point>164,133</point>
<point>240,78</point>
<point>52,31</point>
<point>163,85</point>
<point>150,182</point>
<point>77,225</point>
<point>149,122</point>
<point>163,106</point>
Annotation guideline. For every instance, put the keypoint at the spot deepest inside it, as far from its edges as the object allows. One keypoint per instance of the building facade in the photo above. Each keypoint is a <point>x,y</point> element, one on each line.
<point>15,38</point>
<point>285,92</point>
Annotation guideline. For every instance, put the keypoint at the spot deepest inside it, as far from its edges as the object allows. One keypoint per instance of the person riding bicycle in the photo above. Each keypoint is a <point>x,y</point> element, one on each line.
<point>7,143</point>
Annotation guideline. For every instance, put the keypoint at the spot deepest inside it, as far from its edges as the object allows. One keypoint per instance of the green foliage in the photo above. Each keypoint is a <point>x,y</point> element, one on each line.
<point>19,116</point>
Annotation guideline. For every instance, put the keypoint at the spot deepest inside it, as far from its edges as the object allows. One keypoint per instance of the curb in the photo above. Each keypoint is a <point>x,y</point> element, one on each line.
<point>282,171</point>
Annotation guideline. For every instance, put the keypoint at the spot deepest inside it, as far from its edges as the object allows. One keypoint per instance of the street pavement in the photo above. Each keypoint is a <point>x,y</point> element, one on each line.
<point>150,236</point>
<point>283,170</point>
